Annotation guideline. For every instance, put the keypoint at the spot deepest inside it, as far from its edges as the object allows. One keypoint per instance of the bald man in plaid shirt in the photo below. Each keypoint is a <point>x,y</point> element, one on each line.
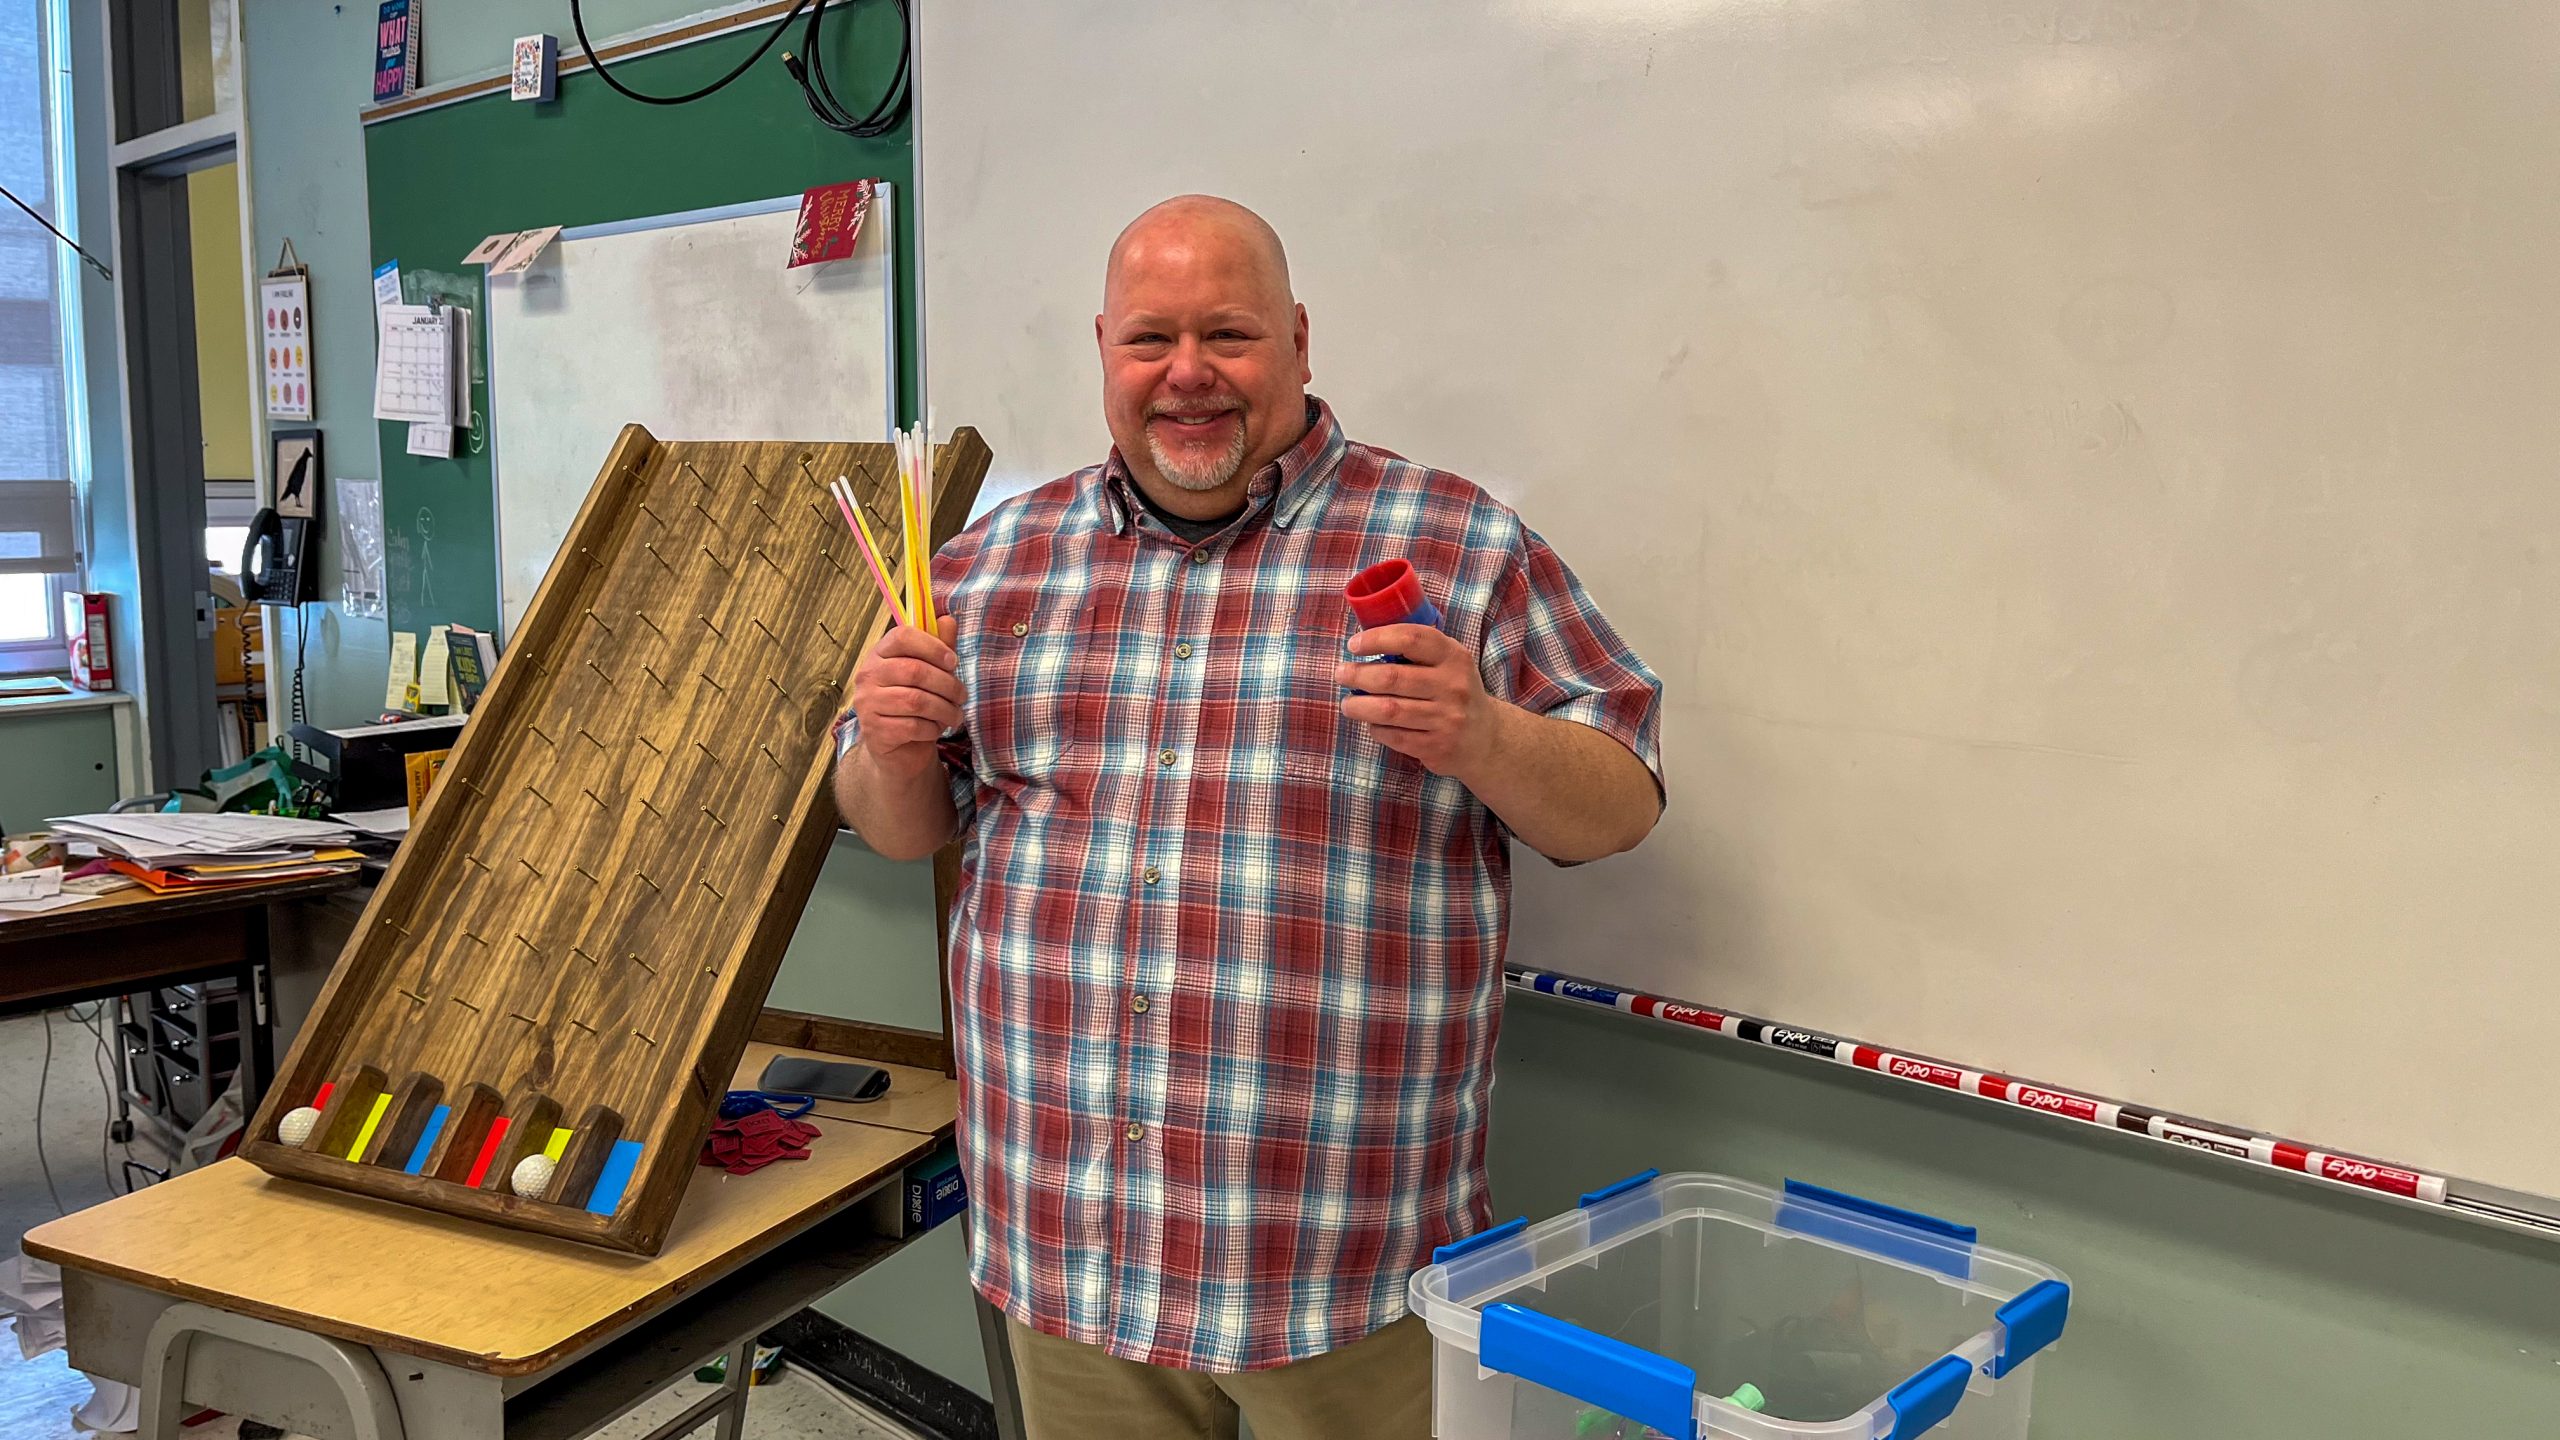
<point>1227,957</point>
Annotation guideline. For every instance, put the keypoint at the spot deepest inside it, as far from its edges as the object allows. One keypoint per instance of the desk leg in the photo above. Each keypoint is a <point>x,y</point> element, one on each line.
<point>740,1379</point>
<point>1001,1390</point>
<point>257,1017</point>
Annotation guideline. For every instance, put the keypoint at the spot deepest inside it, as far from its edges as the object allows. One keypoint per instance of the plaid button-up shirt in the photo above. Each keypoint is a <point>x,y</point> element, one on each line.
<point>1227,970</point>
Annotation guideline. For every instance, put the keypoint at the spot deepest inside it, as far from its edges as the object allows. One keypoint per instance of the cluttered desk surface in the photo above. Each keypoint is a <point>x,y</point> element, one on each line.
<point>464,1293</point>
<point>168,865</point>
<point>133,906</point>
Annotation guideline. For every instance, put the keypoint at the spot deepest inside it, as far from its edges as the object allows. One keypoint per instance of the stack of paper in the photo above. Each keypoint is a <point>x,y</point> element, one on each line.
<point>183,852</point>
<point>390,823</point>
<point>33,892</point>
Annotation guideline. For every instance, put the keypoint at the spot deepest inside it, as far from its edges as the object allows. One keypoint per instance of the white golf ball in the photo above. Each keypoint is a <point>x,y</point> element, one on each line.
<point>531,1177</point>
<point>297,1125</point>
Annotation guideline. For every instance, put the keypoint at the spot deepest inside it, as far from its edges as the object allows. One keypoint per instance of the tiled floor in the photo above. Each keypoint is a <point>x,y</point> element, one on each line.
<point>37,1396</point>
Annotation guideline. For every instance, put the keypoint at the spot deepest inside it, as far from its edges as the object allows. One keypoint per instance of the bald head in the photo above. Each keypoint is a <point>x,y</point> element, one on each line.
<point>1193,228</point>
<point>1204,352</point>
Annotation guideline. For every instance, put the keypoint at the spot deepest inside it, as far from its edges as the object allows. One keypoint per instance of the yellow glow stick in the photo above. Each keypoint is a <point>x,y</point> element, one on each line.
<point>919,562</point>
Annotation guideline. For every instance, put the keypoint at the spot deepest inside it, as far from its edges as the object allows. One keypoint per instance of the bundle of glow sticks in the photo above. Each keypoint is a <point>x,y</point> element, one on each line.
<point>914,572</point>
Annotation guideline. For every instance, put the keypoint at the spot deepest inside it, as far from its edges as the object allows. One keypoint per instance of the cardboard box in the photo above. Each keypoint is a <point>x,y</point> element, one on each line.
<point>423,767</point>
<point>935,1192</point>
<point>84,626</point>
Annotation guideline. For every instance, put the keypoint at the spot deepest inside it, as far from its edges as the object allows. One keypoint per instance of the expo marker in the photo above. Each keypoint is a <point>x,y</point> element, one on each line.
<point>2231,1143</point>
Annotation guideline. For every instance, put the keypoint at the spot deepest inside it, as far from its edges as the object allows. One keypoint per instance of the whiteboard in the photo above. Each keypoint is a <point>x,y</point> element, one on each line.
<point>690,325</point>
<point>2084,470</point>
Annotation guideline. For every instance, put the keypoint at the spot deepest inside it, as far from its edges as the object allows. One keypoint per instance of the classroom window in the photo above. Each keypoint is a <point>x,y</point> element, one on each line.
<point>40,411</point>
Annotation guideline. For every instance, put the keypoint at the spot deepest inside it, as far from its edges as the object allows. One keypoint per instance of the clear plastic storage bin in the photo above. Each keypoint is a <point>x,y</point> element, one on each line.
<point>1695,1306</point>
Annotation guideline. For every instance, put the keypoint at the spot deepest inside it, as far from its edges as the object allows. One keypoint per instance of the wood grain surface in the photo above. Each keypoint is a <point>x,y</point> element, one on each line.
<point>592,904</point>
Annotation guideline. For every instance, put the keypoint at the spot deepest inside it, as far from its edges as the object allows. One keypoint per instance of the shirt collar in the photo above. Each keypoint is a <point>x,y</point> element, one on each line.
<point>1289,485</point>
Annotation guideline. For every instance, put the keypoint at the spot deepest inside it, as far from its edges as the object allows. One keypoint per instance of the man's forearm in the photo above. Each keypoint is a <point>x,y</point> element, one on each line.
<point>903,816</point>
<point>1568,791</point>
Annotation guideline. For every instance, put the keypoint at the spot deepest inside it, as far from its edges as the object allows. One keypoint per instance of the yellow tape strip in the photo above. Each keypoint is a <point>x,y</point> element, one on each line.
<point>556,1146</point>
<point>364,1137</point>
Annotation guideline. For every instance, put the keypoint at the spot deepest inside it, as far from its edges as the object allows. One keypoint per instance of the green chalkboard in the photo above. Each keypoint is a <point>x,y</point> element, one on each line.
<point>439,180</point>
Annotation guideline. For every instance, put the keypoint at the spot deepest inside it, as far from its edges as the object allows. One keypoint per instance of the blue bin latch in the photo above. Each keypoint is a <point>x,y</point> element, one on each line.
<point>1652,1389</point>
<point>1927,1398</point>
<point>2029,1323</point>
<point>1455,1248</point>
<point>1878,1228</point>
<point>1612,1192</point>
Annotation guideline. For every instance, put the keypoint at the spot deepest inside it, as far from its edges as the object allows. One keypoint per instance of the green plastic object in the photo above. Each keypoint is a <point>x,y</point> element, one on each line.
<point>1600,1422</point>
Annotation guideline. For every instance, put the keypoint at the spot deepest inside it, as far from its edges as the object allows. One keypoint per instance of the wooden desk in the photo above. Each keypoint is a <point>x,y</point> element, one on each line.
<point>477,1331</point>
<point>134,940</point>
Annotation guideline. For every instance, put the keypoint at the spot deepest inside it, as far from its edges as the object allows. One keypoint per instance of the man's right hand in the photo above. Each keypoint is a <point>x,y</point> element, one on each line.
<point>906,693</point>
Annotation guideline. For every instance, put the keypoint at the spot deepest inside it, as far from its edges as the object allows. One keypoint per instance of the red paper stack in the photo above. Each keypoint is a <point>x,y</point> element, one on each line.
<point>757,1139</point>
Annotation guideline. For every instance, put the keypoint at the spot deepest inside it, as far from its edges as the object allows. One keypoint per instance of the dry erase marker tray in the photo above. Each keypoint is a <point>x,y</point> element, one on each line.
<point>571,947</point>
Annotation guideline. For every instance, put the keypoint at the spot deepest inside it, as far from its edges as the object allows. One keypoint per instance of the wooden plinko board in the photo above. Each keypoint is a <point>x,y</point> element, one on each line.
<point>583,923</point>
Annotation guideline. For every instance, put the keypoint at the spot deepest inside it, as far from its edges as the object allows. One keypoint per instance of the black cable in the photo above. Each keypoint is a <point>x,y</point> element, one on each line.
<point>95,1021</point>
<point>810,74</point>
<point>94,262</point>
<point>300,710</point>
<point>586,47</point>
<point>891,107</point>
<point>44,1078</point>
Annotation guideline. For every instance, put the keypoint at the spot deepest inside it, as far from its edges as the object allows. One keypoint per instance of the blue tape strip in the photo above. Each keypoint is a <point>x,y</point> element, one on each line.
<point>427,1140</point>
<point>1878,1229</point>
<point>2029,1323</point>
<point>1927,1398</point>
<point>1652,1389</point>
<point>614,1178</point>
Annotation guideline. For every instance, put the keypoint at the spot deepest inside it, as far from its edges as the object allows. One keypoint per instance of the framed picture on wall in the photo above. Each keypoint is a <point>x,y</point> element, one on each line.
<point>294,461</point>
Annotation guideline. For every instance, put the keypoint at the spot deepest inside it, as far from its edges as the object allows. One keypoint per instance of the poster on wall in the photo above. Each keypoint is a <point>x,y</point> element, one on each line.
<point>286,304</point>
<point>395,50</point>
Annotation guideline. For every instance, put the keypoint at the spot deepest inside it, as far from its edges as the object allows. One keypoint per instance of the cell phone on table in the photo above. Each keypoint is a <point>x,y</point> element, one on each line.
<point>826,1079</point>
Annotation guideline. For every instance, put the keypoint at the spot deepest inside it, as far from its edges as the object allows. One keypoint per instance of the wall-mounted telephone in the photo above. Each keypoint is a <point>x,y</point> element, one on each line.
<point>277,567</point>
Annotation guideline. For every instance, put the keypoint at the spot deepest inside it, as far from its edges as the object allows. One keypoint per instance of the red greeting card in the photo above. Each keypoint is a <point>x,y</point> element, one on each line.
<point>830,221</point>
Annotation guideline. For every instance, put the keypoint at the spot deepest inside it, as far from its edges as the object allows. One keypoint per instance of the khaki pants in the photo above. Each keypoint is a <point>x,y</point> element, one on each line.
<point>1376,1389</point>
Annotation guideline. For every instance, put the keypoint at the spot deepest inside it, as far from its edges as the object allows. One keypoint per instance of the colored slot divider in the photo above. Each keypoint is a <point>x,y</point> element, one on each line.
<point>614,1178</point>
<point>427,1140</point>
<point>558,1144</point>
<point>2244,1146</point>
<point>320,1097</point>
<point>488,1152</point>
<point>373,1118</point>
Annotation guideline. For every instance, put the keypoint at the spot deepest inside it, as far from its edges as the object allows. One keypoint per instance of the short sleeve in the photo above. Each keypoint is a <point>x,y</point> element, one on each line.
<point>1550,651</point>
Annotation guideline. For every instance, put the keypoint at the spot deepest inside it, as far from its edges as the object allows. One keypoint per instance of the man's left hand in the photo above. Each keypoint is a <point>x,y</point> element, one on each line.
<point>1433,707</point>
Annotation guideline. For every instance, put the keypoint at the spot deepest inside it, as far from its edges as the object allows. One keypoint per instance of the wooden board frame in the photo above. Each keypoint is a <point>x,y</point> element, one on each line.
<point>685,656</point>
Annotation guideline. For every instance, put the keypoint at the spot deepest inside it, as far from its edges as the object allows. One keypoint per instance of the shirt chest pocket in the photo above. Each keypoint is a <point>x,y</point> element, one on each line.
<point>1035,694</point>
<point>1300,732</point>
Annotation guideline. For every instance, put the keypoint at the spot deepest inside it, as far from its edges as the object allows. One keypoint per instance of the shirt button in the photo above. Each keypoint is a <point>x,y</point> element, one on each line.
<point>1021,628</point>
<point>1166,757</point>
<point>1199,557</point>
<point>1137,1131</point>
<point>1182,651</point>
<point>1138,1005</point>
<point>1151,875</point>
